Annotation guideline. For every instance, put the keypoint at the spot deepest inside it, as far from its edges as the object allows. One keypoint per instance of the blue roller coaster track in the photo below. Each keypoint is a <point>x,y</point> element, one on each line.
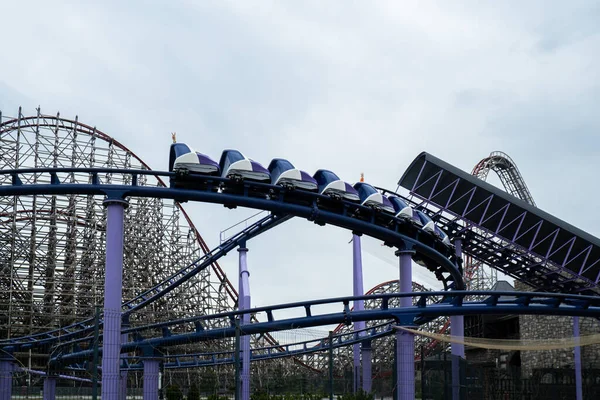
<point>454,303</point>
<point>188,360</point>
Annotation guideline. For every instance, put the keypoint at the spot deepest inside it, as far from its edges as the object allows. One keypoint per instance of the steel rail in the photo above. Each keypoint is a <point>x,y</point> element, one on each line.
<point>531,303</point>
<point>259,353</point>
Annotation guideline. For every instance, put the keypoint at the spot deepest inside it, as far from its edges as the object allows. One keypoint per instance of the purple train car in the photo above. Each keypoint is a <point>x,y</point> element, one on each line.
<point>370,197</point>
<point>404,211</point>
<point>284,173</point>
<point>183,158</point>
<point>235,165</point>
<point>430,227</point>
<point>331,185</point>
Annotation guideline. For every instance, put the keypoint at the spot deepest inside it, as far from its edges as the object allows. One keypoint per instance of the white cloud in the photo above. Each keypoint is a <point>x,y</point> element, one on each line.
<point>350,86</point>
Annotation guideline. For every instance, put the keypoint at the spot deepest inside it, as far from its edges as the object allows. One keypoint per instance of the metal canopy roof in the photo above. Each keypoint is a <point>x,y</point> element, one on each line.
<point>560,252</point>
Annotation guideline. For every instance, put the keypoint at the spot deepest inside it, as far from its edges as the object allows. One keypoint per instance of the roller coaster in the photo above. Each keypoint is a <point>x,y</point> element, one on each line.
<point>42,190</point>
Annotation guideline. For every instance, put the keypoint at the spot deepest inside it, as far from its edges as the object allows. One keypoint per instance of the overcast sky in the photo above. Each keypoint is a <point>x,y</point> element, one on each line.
<point>352,86</point>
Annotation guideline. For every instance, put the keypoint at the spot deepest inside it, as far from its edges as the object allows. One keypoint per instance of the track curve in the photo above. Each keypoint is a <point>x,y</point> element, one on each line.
<point>507,171</point>
<point>530,303</point>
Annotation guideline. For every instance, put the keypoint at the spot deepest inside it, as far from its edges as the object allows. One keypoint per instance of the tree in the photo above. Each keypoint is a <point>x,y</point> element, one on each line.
<point>194,392</point>
<point>173,392</point>
<point>208,382</point>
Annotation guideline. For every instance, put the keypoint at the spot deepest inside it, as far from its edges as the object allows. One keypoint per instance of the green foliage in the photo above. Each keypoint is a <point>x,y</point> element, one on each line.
<point>313,396</point>
<point>194,392</point>
<point>173,392</point>
<point>217,397</point>
<point>261,395</point>
<point>208,382</point>
<point>360,395</point>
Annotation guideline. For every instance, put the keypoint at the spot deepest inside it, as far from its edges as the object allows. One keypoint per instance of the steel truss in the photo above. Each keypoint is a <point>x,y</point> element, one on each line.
<point>511,235</point>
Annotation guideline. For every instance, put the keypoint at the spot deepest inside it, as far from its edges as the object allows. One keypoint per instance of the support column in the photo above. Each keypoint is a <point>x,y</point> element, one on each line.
<point>150,389</point>
<point>457,330</point>
<point>577,356</point>
<point>49,388</point>
<point>359,305</point>
<point>123,382</point>
<point>405,350</point>
<point>113,291</point>
<point>244,304</point>
<point>6,370</point>
<point>366,372</point>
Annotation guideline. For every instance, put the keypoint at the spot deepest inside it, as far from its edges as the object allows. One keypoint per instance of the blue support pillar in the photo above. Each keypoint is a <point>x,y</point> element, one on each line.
<point>366,366</point>
<point>457,329</point>
<point>359,305</point>
<point>113,293</point>
<point>123,387</point>
<point>151,374</point>
<point>244,304</point>
<point>6,370</point>
<point>49,388</point>
<point>405,349</point>
<point>577,356</point>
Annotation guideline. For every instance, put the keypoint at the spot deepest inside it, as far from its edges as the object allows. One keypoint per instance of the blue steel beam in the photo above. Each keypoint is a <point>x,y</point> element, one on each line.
<point>444,299</point>
<point>181,276</point>
<point>513,303</point>
<point>257,354</point>
<point>197,323</point>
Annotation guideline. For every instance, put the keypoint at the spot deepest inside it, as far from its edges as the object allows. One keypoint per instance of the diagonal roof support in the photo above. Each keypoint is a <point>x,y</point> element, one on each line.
<point>531,236</point>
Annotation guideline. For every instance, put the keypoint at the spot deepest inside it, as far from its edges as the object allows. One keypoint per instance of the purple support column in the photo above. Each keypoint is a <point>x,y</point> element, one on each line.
<point>6,370</point>
<point>366,372</point>
<point>457,330</point>
<point>405,353</point>
<point>123,388</point>
<point>49,388</point>
<point>113,290</point>
<point>244,304</point>
<point>359,305</point>
<point>577,355</point>
<point>150,390</point>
